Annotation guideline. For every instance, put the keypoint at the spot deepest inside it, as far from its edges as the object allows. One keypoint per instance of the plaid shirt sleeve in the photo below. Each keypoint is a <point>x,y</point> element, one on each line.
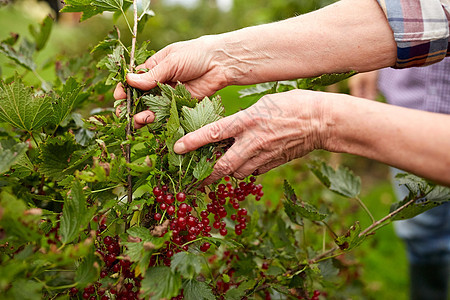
<point>421,30</point>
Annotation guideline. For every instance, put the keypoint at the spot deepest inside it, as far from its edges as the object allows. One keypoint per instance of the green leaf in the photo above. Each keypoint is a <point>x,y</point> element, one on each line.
<point>436,196</point>
<point>187,264</point>
<point>87,272</point>
<point>10,156</point>
<point>197,290</point>
<point>26,289</point>
<point>297,209</point>
<point>329,79</point>
<point>83,6</point>
<point>142,53</point>
<point>239,292</point>
<point>161,282</point>
<point>416,186</point>
<point>23,166</point>
<point>64,103</point>
<point>140,232</point>
<point>180,94</point>
<point>351,239</point>
<point>14,221</point>
<point>21,109</point>
<point>160,106</point>
<point>229,243</point>
<point>23,57</point>
<point>42,33</point>
<point>115,64</point>
<point>134,250</point>
<point>145,10</point>
<point>195,118</point>
<point>75,214</point>
<point>341,181</point>
<point>259,89</point>
<point>56,155</point>
<point>202,169</point>
<point>218,106</point>
<point>173,124</point>
<point>108,5</point>
<point>11,40</point>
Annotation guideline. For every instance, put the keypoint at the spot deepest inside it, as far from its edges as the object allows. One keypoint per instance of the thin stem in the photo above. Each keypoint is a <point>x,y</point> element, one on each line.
<point>105,189</point>
<point>126,20</point>
<point>44,83</point>
<point>369,230</point>
<point>330,230</point>
<point>365,208</point>
<point>34,140</point>
<point>377,223</point>
<point>130,105</point>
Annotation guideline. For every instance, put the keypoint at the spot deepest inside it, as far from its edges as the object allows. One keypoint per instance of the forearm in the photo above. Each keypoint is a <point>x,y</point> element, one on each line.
<point>337,38</point>
<point>411,140</point>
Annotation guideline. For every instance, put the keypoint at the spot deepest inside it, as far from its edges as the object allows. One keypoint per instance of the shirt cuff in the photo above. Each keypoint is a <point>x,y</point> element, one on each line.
<point>421,30</point>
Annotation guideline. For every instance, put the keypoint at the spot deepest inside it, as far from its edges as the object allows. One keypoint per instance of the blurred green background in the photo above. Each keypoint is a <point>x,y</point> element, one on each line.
<point>380,264</point>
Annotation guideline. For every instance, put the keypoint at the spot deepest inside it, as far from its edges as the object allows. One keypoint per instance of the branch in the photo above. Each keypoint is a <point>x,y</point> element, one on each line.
<point>368,229</point>
<point>130,105</point>
<point>330,253</point>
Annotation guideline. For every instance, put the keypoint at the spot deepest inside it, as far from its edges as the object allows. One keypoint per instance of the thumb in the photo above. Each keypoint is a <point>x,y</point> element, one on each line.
<point>148,80</point>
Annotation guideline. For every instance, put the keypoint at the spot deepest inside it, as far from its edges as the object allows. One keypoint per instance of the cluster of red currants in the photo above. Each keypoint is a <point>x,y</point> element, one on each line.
<point>189,225</point>
<point>109,249</point>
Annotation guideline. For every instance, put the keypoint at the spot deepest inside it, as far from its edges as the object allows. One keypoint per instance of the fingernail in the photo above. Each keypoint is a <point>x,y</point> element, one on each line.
<point>134,77</point>
<point>179,147</point>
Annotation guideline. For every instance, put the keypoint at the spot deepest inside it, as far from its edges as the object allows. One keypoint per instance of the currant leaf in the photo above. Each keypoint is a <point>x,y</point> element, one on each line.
<point>351,239</point>
<point>21,109</point>
<point>87,271</point>
<point>341,181</point>
<point>239,292</point>
<point>160,106</point>
<point>56,154</point>
<point>187,264</point>
<point>296,208</point>
<point>203,113</point>
<point>9,156</point>
<point>75,214</point>
<point>202,169</point>
<point>161,282</point>
<point>424,194</point>
<point>23,57</point>
<point>64,103</point>
<point>42,33</point>
<point>197,290</point>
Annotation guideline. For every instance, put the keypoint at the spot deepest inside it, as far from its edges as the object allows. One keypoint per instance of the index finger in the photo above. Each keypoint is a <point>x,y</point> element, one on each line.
<point>220,130</point>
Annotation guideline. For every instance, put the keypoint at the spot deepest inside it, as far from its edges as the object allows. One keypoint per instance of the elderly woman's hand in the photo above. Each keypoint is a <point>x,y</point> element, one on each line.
<point>275,130</point>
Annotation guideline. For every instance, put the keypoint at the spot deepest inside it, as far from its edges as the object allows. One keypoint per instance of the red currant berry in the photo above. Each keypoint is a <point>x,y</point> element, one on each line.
<point>181,196</point>
<point>157,191</point>
<point>216,225</point>
<point>108,240</point>
<point>169,199</point>
<point>171,210</point>
<point>242,212</point>
<point>169,253</point>
<point>183,207</point>
<point>157,216</point>
<point>205,247</point>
